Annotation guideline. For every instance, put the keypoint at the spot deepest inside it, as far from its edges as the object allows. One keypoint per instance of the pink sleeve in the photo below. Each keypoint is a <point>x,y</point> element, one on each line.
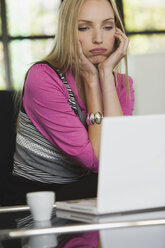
<point>45,101</point>
<point>126,101</point>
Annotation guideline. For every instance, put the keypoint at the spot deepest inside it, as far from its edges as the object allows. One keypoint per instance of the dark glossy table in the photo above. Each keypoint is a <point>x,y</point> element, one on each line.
<point>70,229</point>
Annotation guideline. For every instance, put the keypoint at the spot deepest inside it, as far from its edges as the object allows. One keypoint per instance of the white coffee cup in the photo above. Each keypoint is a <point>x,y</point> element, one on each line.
<point>41,204</point>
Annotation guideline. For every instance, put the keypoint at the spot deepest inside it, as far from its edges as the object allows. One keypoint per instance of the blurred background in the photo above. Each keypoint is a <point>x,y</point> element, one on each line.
<point>27,30</point>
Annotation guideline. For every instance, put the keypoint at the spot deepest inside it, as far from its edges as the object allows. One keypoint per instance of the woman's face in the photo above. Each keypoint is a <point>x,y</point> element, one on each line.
<point>96,25</point>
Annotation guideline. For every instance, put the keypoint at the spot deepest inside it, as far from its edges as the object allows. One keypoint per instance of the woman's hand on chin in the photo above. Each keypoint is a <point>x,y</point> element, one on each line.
<point>111,62</point>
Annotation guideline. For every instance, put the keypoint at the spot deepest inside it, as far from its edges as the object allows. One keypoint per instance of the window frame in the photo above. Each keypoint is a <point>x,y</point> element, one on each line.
<point>5,38</point>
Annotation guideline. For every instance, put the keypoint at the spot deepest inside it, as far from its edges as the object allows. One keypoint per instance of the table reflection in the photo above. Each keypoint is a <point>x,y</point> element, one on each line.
<point>131,237</point>
<point>76,240</point>
<point>127,230</point>
<point>88,239</point>
<point>134,237</point>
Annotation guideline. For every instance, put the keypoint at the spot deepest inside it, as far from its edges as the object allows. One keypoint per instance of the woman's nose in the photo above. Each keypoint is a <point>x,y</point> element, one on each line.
<point>97,37</point>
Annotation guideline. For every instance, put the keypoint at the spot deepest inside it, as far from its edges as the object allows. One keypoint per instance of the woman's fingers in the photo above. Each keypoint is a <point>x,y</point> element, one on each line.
<point>124,41</point>
<point>119,53</point>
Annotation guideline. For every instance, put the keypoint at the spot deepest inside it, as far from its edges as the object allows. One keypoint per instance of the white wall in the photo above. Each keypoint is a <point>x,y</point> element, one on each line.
<point>148,73</point>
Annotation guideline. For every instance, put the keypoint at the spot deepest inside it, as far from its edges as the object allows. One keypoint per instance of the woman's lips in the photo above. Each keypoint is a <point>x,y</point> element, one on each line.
<point>98,51</point>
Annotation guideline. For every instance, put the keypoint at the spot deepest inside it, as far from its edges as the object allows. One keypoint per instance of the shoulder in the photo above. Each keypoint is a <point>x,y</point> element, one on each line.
<point>42,76</point>
<point>121,87</point>
<point>42,70</point>
<point>121,79</point>
<point>126,100</point>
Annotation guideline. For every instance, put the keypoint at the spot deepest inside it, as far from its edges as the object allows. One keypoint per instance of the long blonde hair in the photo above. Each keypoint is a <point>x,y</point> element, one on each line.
<point>65,53</point>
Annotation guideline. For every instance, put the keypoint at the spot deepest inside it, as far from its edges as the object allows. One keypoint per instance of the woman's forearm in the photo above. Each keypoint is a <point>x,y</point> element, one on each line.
<point>106,103</point>
<point>111,102</point>
<point>94,104</point>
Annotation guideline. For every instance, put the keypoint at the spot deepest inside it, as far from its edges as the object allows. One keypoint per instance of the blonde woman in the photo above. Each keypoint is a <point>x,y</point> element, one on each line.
<point>65,98</point>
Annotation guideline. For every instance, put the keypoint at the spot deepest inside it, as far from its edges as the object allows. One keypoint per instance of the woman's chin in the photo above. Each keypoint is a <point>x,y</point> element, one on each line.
<point>95,60</point>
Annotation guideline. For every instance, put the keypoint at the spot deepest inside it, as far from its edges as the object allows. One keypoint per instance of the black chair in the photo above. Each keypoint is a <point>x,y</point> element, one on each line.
<point>7,139</point>
<point>9,187</point>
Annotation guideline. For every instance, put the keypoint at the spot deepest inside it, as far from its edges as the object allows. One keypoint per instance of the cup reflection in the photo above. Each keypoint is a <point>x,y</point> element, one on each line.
<point>44,240</point>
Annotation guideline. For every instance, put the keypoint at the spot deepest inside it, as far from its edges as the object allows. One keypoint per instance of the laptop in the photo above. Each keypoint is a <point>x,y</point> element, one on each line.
<point>131,167</point>
<point>124,219</point>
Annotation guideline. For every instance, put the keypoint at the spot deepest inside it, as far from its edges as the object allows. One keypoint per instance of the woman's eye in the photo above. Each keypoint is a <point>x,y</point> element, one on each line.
<point>108,27</point>
<point>83,28</point>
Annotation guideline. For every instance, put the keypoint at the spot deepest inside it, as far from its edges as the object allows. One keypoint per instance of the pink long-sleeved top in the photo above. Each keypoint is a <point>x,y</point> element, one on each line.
<point>45,101</point>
